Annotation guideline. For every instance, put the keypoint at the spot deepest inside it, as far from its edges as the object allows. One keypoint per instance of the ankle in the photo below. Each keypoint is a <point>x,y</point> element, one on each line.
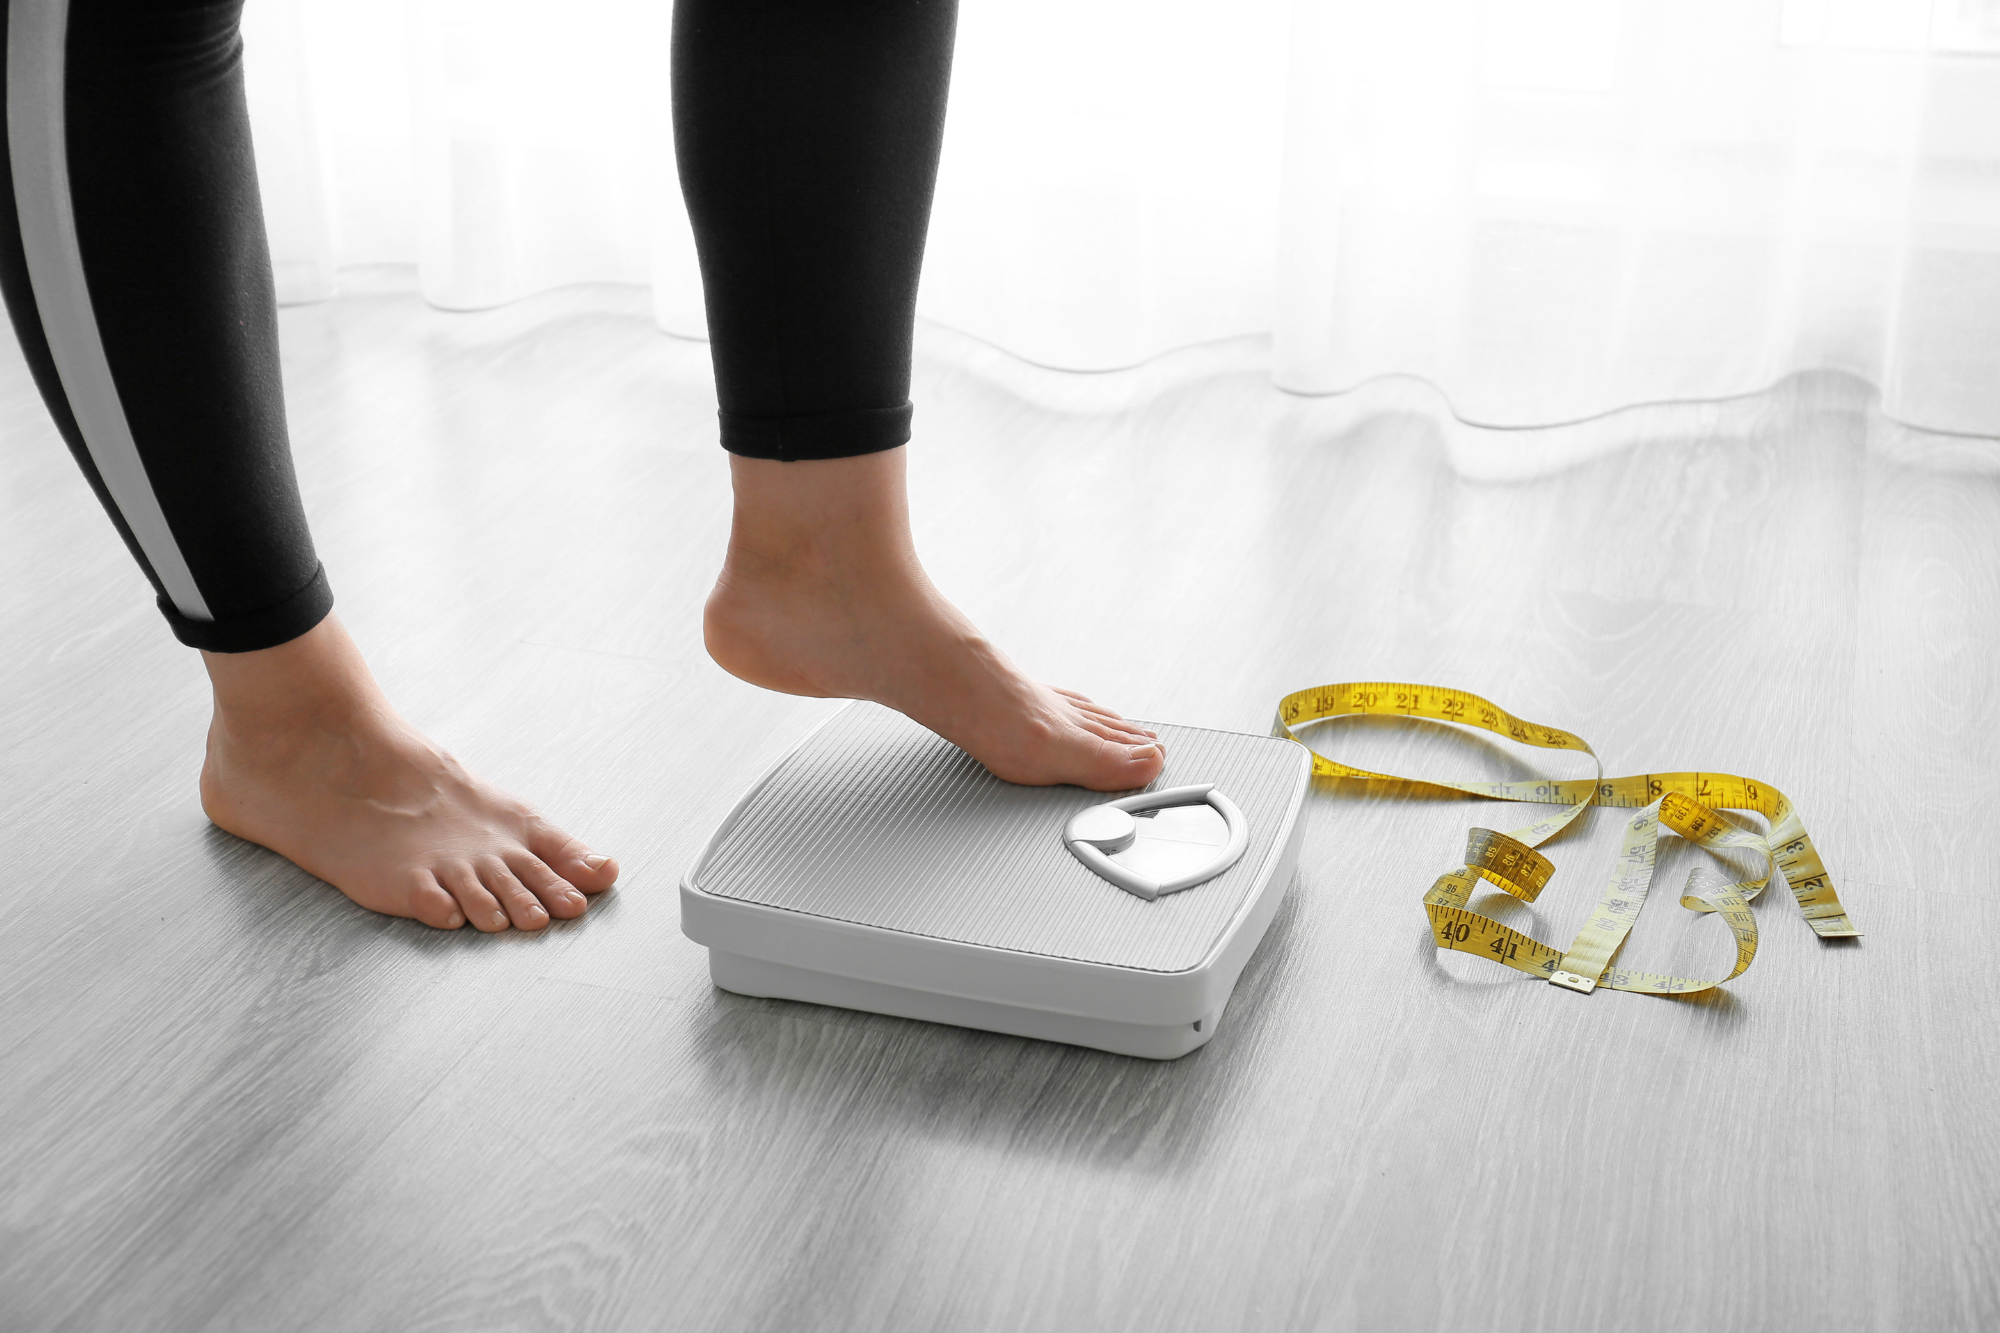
<point>314,682</point>
<point>830,517</point>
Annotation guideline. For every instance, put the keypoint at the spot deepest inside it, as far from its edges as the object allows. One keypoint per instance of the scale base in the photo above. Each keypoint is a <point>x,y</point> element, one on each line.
<point>778,981</point>
<point>878,867</point>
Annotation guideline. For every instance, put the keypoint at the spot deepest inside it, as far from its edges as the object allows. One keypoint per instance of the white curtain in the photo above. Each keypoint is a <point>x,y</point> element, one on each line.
<point>1549,209</point>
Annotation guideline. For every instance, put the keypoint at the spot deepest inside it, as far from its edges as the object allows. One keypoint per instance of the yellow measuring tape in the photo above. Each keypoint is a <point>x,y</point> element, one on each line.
<point>1686,803</point>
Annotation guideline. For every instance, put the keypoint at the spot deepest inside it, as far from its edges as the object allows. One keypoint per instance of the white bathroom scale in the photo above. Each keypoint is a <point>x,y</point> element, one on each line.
<point>878,867</point>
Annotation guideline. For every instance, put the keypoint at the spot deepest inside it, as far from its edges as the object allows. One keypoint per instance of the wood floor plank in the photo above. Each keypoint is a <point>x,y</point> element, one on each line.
<point>235,1101</point>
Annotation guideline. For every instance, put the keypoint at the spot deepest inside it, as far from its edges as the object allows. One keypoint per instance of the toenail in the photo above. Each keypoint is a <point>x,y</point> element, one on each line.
<point>1145,751</point>
<point>596,862</point>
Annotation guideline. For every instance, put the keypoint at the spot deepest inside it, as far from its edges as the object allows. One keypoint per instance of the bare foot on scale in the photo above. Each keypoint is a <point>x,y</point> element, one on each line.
<point>306,757</point>
<point>822,594</point>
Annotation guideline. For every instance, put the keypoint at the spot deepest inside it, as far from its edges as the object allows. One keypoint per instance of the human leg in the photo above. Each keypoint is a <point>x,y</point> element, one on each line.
<point>807,135</point>
<point>134,268</point>
<point>822,594</point>
<point>306,756</point>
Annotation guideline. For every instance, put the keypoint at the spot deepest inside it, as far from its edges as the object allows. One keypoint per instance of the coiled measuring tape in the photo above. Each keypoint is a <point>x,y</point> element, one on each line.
<point>1685,803</point>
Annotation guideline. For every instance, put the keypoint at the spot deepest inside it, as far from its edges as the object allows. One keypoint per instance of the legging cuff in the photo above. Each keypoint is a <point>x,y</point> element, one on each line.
<point>265,629</point>
<point>796,439</point>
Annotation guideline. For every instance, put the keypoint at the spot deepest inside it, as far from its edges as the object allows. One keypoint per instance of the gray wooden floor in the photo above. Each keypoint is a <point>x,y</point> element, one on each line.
<point>231,1100</point>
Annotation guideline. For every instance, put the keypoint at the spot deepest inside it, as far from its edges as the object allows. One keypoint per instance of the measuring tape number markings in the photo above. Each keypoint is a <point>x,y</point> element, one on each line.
<point>1685,803</point>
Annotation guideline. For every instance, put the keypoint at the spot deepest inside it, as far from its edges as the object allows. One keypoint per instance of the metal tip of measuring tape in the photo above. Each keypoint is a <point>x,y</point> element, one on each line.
<point>1570,980</point>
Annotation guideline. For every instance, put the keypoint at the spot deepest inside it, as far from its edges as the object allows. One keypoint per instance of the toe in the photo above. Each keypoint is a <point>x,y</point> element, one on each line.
<point>570,857</point>
<point>1129,731</point>
<point>523,908</point>
<point>1091,708</point>
<point>481,908</point>
<point>557,895</point>
<point>433,905</point>
<point>1113,729</point>
<point>1117,767</point>
<point>1116,732</point>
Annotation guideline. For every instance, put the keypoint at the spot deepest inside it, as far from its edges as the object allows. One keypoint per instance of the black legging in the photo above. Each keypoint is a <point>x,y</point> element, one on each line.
<point>133,261</point>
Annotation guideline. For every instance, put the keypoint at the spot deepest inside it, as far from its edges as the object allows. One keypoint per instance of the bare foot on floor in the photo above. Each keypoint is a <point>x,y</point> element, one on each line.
<point>306,757</point>
<point>822,594</point>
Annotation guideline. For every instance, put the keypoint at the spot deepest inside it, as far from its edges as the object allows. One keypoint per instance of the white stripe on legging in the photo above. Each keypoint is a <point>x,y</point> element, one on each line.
<point>36,141</point>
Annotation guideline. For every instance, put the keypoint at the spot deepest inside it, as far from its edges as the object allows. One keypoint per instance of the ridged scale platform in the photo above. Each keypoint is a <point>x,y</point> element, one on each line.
<point>879,867</point>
